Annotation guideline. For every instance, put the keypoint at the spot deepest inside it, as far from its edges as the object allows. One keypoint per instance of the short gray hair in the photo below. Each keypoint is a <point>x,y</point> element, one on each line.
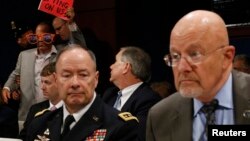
<point>74,46</point>
<point>140,61</point>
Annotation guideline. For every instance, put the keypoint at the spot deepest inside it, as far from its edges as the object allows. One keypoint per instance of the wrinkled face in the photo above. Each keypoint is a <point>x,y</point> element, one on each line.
<point>197,79</point>
<point>201,55</point>
<point>49,87</point>
<point>41,45</point>
<point>77,78</point>
<point>61,28</point>
<point>117,69</point>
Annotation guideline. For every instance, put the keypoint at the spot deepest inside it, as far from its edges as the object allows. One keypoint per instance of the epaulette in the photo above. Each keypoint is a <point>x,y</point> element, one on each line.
<point>127,116</point>
<point>41,112</point>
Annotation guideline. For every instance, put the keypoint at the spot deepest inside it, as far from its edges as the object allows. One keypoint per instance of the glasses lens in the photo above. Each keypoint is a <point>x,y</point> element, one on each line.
<point>47,38</point>
<point>32,38</point>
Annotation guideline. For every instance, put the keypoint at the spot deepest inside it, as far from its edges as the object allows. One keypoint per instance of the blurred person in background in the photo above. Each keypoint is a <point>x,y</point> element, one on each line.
<point>29,65</point>
<point>164,88</point>
<point>50,92</point>
<point>242,63</point>
<point>67,31</point>
<point>130,73</point>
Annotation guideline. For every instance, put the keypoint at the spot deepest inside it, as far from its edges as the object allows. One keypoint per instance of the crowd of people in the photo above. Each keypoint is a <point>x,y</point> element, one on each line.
<point>54,84</point>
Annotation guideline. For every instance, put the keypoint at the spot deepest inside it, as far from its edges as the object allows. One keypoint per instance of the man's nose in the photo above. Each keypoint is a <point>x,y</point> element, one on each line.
<point>184,64</point>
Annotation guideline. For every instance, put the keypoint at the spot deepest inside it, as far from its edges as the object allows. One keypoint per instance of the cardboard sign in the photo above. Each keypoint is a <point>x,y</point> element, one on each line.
<point>57,8</point>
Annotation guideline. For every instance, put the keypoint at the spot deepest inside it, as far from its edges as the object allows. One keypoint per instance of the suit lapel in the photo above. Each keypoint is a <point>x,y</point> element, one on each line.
<point>31,59</point>
<point>183,119</point>
<point>55,126</point>
<point>129,102</point>
<point>241,103</point>
<point>52,57</point>
<point>110,96</point>
<point>112,100</point>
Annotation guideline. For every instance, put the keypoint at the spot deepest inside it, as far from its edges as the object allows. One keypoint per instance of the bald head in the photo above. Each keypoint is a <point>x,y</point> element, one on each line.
<point>201,54</point>
<point>77,50</point>
<point>58,20</point>
<point>204,24</point>
<point>76,77</point>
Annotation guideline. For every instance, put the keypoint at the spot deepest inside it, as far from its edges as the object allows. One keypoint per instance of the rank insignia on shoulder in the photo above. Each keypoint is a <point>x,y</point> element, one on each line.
<point>41,112</point>
<point>127,116</point>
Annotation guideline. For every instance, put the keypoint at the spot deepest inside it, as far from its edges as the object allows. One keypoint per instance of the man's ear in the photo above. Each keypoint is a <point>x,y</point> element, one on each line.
<point>127,67</point>
<point>97,78</point>
<point>54,75</point>
<point>229,53</point>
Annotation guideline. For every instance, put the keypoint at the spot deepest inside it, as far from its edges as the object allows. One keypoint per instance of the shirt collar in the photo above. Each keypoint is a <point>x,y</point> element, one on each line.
<point>58,105</point>
<point>130,89</point>
<point>52,51</point>
<point>81,112</point>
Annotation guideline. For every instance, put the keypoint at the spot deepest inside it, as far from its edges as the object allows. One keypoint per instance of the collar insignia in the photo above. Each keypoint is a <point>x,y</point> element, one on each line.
<point>44,137</point>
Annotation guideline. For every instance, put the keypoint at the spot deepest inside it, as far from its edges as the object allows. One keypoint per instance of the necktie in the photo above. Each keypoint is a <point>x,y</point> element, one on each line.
<point>118,100</point>
<point>53,108</point>
<point>69,119</point>
<point>209,111</point>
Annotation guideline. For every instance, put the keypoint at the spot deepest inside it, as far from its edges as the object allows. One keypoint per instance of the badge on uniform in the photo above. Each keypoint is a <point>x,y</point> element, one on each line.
<point>246,114</point>
<point>44,137</point>
<point>41,112</point>
<point>98,135</point>
<point>127,116</point>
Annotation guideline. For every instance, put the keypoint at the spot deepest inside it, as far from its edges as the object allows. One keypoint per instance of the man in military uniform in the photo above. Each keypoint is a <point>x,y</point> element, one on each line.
<point>50,92</point>
<point>91,119</point>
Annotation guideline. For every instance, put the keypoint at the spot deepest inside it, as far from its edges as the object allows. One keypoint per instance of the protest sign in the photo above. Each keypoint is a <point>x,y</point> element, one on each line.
<point>57,8</point>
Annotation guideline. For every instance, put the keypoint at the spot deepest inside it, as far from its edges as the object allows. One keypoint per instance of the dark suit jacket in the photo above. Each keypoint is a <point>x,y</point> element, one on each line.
<point>172,118</point>
<point>31,115</point>
<point>142,99</point>
<point>8,122</point>
<point>100,118</point>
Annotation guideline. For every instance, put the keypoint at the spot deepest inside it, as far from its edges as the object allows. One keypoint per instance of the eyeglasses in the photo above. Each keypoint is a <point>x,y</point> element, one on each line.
<point>60,27</point>
<point>194,57</point>
<point>45,37</point>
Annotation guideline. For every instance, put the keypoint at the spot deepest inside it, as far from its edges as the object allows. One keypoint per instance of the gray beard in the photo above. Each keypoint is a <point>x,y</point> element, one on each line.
<point>191,92</point>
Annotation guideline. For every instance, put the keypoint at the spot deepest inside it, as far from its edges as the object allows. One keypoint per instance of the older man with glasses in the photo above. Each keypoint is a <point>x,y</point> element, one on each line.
<point>67,32</point>
<point>209,90</point>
